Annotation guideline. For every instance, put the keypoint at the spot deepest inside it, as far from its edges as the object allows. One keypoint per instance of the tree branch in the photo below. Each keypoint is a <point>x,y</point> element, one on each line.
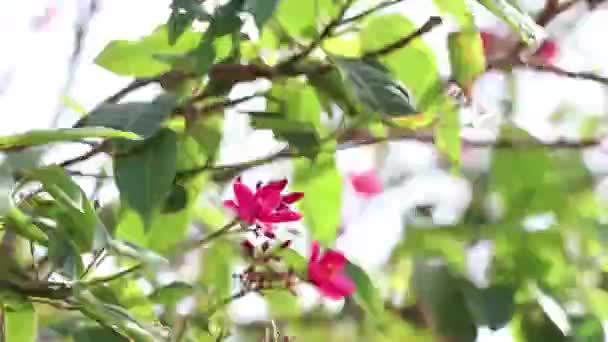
<point>427,27</point>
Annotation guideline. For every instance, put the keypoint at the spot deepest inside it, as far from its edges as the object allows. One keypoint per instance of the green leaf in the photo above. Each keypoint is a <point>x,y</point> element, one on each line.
<point>20,321</point>
<point>143,118</point>
<point>467,58</point>
<point>460,9</point>
<point>144,177</point>
<point>226,20</point>
<point>78,217</point>
<point>366,295</point>
<point>321,182</point>
<point>133,251</point>
<point>414,65</point>
<point>172,293</point>
<point>47,136</point>
<point>492,307</point>
<point>532,324</point>
<point>447,131</point>
<point>438,291</point>
<point>261,10</point>
<point>375,88</point>
<point>298,18</point>
<point>190,154</point>
<point>136,58</point>
<point>530,32</point>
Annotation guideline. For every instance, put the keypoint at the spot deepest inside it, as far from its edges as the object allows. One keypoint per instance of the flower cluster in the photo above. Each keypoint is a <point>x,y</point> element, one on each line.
<point>265,207</point>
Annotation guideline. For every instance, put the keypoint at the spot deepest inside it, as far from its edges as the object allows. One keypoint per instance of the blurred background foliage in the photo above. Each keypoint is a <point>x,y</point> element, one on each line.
<point>469,206</point>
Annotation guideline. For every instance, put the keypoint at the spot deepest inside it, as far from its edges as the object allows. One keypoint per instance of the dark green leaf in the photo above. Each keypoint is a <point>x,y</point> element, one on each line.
<point>172,293</point>
<point>136,58</point>
<point>366,295</point>
<point>439,293</point>
<point>301,135</point>
<point>177,199</point>
<point>225,20</point>
<point>375,88</point>
<point>261,10</point>
<point>97,334</point>
<point>532,324</point>
<point>47,136</point>
<point>322,184</point>
<point>144,177</point>
<point>413,65</point>
<point>143,118</point>
<point>492,307</point>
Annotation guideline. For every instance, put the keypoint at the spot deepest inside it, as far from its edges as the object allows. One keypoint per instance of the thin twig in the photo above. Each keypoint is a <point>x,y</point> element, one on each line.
<point>571,74</point>
<point>427,27</point>
<point>315,43</point>
<point>134,85</point>
<point>192,244</point>
<point>114,276</point>
<point>92,152</point>
<point>367,12</point>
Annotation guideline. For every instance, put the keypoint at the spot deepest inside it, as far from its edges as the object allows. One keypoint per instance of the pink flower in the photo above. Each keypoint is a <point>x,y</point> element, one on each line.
<point>366,183</point>
<point>327,273</point>
<point>266,205</point>
<point>547,51</point>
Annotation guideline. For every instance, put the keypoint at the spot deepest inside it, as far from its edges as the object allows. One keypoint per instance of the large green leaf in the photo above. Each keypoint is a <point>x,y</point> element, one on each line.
<point>20,321</point>
<point>47,136</point>
<point>143,118</point>
<point>414,65</point>
<point>321,182</point>
<point>375,88</point>
<point>77,217</point>
<point>136,58</point>
<point>157,236</point>
<point>96,334</point>
<point>144,176</point>
<point>128,294</point>
<point>530,32</point>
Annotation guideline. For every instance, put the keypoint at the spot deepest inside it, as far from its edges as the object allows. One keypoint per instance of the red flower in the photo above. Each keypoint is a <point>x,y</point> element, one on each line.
<point>266,205</point>
<point>547,51</point>
<point>366,183</point>
<point>326,272</point>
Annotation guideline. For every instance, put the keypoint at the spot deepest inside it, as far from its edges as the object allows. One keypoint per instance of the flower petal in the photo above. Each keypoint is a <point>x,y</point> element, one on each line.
<point>278,185</point>
<point>231,204</point>
<point>333,260</point>
<point>315,251</point>
<point>280,216</point>
<point>337,287</point>
<point>269,199</point>
<point>292,197</point>
<point>366,183</point>
<point>244,195</point>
